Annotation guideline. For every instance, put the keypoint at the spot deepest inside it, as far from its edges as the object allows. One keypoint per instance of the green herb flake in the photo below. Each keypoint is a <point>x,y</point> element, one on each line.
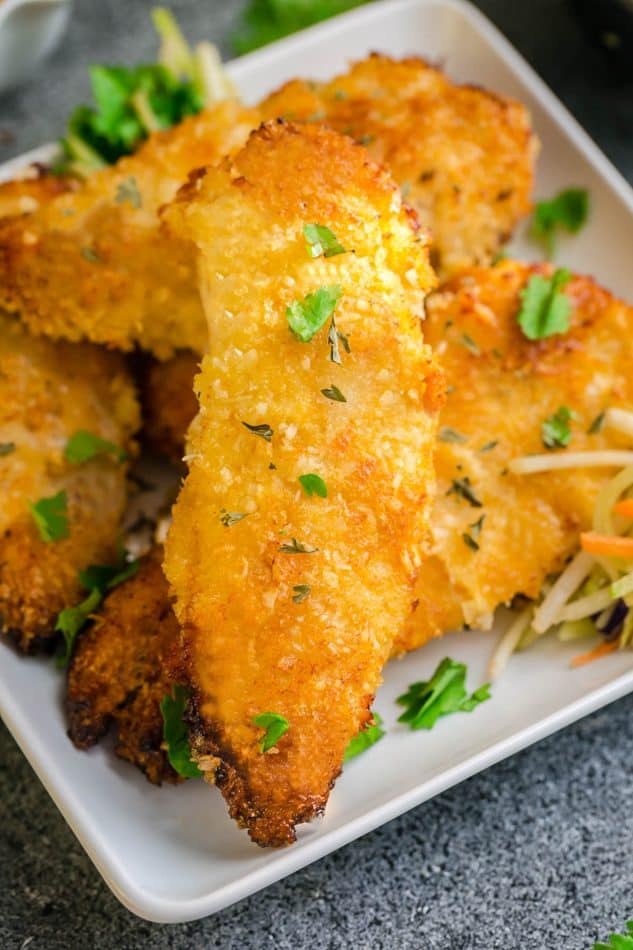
<point>84,446</point>
<point>313,485</point>
<point>618,941</point>
<point>334,393</point>
<point>301,592</point>
<point>90,255</point>
<point>71,621</point>
<point>275,725</point>
<point>464,489</point>
<point>335,336</point>
<point>446,434</point>
<point>489,446</point>
<point>365,739</point>
<point>6,448</point>
<point>127,190</point>
<point>556,431</point>
<point>568,210</point>
<point>297,548</point>
<point>51,517</point>
<point>443,694</point>
<point>105,577</point>
<point>321,242</point>
<point>471,537</point>
<point>175,733</point>
<point>598,424</point>
<point>545,309</point>
<point>306,317</point>
<point>467,341</point>
<point>229,518</point>
<point>263,431</point>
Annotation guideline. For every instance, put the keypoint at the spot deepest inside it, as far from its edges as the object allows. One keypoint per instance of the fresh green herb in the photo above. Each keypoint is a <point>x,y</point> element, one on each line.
<point>446,434</point>
<point>471,537</point>
<point>127,190</point>
<point>366,139</point>
<point>175,733</point>
<point>597,424</point>
<point>6,448</point>
<point>297,548</point>
<point>618,941</point>
<point>366,738</point>
<point>469,343</point>
<point>90,255</point>
<point>306,317</point>
<point>84,446</point>
<point>105,577</point>
<point>321,242</point>
<point>71,621</point>
<point>275,725</point>
<point>544,307</point>
<point>556,431</point>
<point>489,446</point>
<point>464,488</point>
<point>313,485</point>
<point>568,210</point>
<point>264,21</point>
<point>335,336</point>
<point>301,593</point>
<point>51,516</point>
<point>229,518</point>
<point>263,431</point>
<point>334,393</point>
<point>443,694</point>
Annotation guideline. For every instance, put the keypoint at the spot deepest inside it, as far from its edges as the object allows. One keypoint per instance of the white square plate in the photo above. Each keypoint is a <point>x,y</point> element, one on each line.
<point>172,854</point>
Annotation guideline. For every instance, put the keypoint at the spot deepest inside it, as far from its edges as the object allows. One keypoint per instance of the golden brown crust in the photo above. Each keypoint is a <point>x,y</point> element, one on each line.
<point>503,393</point>
<point>26,195</point>
<point>463,156</point>
<point>169,403</point>
<point>248,646</point>
<point>118,677</point>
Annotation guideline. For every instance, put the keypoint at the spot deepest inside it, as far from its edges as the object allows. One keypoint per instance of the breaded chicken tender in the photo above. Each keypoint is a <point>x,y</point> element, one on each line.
<point>93,264</point>
<point>28,194</point>
<point>169,402</point>
<point>464,157</point>
<point>501,388</point>
<point>289,602</point>
<point>118,674</point>
<point>49,392</point>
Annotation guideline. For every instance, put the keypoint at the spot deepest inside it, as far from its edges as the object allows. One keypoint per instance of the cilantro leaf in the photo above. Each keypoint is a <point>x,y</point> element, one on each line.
<point>6,448</point>
<point>618,941</point>
<point>321,242</point>
<point>264,21</point>
<point>544,307</point>
<point>84,446</point>
<point>365,739</point>
<point>555,431</point>
<point>275,725</point>
<point>175,733</point>
<point>71,621</point>
<point>105,577</point>
<point>51,517</point>
<point>306,317</point>
<point>443,694</point>
<point>301,592</point>
<point>569,210</point>
<point>313,485</point>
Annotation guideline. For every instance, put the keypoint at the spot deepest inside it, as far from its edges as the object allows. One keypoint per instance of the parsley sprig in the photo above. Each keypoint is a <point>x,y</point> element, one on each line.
<point>545,309</point>
<point>444,693</point>
<point>264,21</point>
<point>321,242</point>
<point>51,517</point>
<point>83,446</point>
<point>275,727</point>
<point>365,739</point>
<point>567,211</point>
<point>175,733</point>
<point>313,485</point>
<point>618,941</point>
<point>556,430</point>
<point>306,317</point>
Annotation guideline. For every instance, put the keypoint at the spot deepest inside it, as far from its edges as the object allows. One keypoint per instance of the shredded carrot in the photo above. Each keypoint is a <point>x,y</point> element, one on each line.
<point>606,544</point>
<point>601,650</point>
<point>624,507</point>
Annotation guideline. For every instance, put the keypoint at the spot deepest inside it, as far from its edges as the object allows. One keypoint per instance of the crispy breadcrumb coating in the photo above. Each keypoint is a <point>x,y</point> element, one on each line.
<point>93,264</point>
<point>169,402</point>
<point>26,195</point>
<point>464,157</point>
<point>501,388</point>
<point>48,392</point>
<point>118,675</point>
<point>255,639</point>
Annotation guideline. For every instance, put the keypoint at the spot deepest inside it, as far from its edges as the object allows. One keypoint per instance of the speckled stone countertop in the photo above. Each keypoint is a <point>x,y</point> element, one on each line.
<point>534,854</point>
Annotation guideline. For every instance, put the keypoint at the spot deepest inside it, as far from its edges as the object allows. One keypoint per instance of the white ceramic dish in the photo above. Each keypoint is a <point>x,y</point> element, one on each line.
<point>29,31</point>
<point>172,854</point>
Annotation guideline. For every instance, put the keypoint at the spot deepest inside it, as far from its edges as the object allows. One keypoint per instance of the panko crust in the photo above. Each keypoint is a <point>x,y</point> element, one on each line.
<point>248,647</point>
<point>26,195</point>
<point>118,674</point>
<point>169,402</point>
<point>47,393</point>
<point>504,393</point>
<point>464,157</point>
<point>93,264</point>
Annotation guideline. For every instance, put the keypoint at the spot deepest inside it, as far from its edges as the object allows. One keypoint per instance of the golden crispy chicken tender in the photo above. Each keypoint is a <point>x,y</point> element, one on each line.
<point>502,387</point>
<point>169,402</point>
<point>289,604</point>
<point>28,194</point>
<point>118,674</point>
<point>48,392</point>
<point>464,157</point>
<point>94,264</point>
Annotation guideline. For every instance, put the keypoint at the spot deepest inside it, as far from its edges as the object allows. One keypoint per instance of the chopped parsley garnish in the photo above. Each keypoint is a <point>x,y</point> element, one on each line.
<point>471,537</point>
<point>443,694</point>
<point>618,941</point>
<point>175,733</point>
<point>333,337</point>
<point>544,307</point>
<point>334,393</point>
<point>306,317</point>
<point>464,488</point>
<point>89,254</point>
<point>264,21</point>
<point>313,485</point>
<point>569,210</point>
<point>556,431</point>
<point>127,190</point>
<point>51,516</point>
<point>105,577</point>
<point>84,446</point>
<point>597,424</point>
<point>263,431</point>
<point>446,434</point>
<point>275,725</point>
<point>6,448</point>
<point>489,446</point>
<point>365,739</point>
<point>297,548</point>
<point>321,242</point>
<point>301,592</point>
<point>229,518</point>
<point>467,341</point>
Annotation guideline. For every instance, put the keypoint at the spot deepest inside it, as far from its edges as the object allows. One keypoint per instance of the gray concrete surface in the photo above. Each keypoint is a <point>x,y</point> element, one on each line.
<point>535,854</point>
